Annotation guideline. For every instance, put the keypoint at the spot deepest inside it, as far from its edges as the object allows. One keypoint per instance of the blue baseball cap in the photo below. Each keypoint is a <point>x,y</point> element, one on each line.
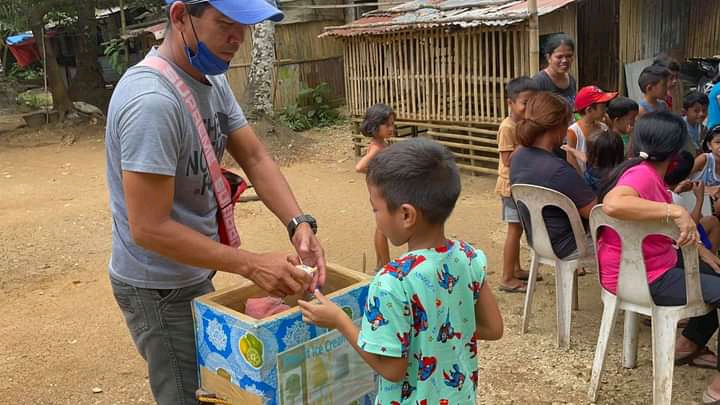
<point>246,12</point>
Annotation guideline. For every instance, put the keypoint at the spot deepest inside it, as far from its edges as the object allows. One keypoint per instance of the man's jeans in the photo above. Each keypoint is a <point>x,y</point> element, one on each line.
<point>161,325</point>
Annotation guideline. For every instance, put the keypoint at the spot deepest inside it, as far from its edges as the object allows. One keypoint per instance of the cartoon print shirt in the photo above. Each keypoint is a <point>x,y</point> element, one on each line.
<point>422,306</point>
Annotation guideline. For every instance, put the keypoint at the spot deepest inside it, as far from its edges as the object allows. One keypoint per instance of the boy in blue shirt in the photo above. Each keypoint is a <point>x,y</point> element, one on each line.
<point>426,309</point>
<point>695,109</point>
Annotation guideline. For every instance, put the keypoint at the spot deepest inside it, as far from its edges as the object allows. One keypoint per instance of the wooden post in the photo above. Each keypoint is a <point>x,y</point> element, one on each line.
<point>534,31</point>
<point>123,30</point>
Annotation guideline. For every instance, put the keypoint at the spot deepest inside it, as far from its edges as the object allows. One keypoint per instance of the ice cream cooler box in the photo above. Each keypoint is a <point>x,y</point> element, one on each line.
<point>281,360</point>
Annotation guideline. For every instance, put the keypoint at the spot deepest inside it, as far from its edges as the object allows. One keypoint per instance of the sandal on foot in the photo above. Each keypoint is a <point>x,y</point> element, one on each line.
<point>522,288</point>
<point>693,359</point>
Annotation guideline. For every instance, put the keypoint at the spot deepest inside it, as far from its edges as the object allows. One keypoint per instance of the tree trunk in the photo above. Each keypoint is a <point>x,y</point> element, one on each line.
<point>88,76</point>
<point>61,99</point>
<point>259,94</point>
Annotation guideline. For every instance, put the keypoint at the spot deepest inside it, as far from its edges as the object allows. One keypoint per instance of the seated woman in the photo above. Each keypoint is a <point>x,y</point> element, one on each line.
<point>636,191</point>
<point>543,130</point>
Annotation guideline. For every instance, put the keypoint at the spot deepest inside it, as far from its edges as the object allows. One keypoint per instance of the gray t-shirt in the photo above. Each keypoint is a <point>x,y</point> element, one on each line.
<point>150,131</point>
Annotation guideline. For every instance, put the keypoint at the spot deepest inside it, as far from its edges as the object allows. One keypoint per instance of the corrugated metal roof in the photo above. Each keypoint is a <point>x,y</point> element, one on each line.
<point>433,13</point>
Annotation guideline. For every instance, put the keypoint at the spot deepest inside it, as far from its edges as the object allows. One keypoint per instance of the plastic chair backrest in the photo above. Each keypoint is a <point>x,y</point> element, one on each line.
<point>535,199</point>
<point>632,283</point>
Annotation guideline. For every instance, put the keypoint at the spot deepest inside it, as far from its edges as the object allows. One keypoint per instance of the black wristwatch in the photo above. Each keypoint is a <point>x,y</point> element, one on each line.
<point>303,218</point>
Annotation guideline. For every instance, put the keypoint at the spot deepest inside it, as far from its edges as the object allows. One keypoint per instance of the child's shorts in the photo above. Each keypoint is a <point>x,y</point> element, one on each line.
<point>509,211</point>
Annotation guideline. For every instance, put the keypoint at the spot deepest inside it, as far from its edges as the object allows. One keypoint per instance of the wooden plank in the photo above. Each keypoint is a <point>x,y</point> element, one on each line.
<point>434,111</point>
<point>478,158</point>
<point>476,96</point>
<point>426,73</point>
<point>398,71</point>
<point>467,146</point>
<point>504,51</point>
<point>413,75</point>
<point>372,74</point>
<point>444,76</point>
<point>460,137</point>
<point>486,70</point>
<point>352,45</point>
<point>381,71</point>
<point>403,82</point>
<point>476,169</point>
<point>464,76</point>
<point>456,77</point>
<point>361,83</point>
<point>494,75</point>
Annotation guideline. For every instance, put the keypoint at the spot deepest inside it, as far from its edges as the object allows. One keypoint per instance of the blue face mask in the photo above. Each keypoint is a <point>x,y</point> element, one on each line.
<point>204,60</point>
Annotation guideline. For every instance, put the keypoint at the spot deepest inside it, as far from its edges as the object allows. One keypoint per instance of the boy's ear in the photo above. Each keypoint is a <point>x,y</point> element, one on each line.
<point>409,215</point>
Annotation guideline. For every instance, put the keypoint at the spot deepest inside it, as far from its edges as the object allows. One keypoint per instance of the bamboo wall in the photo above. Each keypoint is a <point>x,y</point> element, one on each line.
<point>302,60</point>
<point>648,27</point>
<point>597,51</point>
<point>436,75</point>
<point>704,29</point>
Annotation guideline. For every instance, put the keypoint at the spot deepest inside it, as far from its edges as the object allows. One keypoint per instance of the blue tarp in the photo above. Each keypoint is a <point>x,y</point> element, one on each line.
<point>18,38</point>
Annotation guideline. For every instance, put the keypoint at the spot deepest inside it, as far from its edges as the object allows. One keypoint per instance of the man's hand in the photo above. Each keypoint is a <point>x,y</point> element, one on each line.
<point>312,254</point>
<point>276,273</point>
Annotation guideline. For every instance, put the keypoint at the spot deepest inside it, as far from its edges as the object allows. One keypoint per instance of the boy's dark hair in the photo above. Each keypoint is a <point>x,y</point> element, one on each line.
<point>652,75</point>
<point>418,172</point>
<point>374,117</point>
<point>667,61</point>
<point>605,150</point>
<point>519,85</point>
<point>695,97</point>
<point>621,106</point>
<point>681,170</point>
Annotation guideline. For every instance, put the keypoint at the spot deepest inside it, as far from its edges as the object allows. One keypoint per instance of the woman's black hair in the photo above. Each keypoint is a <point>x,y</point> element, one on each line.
<point>605,151</point>
<point>709,136</point>
<point>657,137</point>
<point>556,41</point>
<point>374,117</point>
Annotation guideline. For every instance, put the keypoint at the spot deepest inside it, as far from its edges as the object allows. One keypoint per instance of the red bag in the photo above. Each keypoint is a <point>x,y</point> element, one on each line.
<point>237,186</point>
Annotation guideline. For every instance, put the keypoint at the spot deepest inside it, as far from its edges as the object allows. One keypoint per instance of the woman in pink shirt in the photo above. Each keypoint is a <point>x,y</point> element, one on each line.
<point>637,192</point>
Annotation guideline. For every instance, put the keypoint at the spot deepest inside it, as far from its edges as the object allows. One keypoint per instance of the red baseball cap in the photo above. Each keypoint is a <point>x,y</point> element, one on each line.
<point>590,95</point>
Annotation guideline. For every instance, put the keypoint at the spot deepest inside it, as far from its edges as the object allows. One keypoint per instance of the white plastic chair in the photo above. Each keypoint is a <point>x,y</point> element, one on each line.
<point>535,198</point>
<point>633,296</point>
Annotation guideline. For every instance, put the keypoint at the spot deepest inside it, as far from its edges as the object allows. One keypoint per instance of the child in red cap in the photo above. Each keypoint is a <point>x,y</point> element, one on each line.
<point>591,104</point>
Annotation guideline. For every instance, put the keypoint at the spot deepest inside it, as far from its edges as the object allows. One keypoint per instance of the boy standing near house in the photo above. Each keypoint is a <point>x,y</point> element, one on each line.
<point>653,82</point>
<point>519,91</point>
<point>591,104</point>
<point>695,109</point>
<point>426,310</point>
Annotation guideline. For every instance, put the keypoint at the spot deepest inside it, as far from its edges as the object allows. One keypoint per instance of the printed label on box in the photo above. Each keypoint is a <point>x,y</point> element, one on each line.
<point>325,370</point>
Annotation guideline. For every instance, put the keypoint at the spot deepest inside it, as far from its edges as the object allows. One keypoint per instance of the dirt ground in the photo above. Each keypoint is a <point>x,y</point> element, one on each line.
<point>63,336</point>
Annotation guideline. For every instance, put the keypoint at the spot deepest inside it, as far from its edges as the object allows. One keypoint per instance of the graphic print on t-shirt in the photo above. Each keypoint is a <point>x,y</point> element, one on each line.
<point>217,128</point>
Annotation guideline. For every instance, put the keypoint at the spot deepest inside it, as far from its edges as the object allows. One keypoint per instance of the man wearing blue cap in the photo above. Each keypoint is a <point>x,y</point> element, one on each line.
<point>165,243</point>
